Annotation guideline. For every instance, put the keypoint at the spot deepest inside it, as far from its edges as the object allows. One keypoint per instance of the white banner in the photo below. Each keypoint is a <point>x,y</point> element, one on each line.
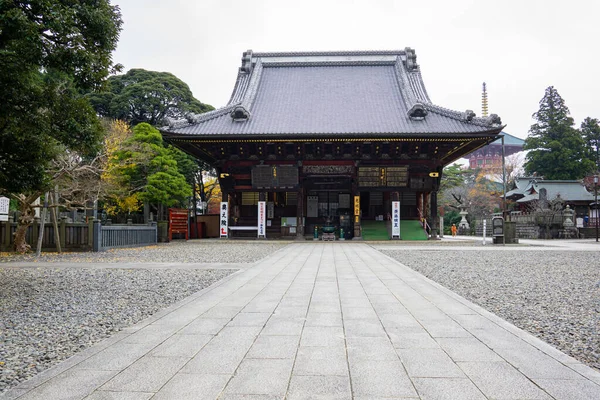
<point>395,219</point>
<point>262,219</point>
<point>4,205</point>
<point>224,212</point>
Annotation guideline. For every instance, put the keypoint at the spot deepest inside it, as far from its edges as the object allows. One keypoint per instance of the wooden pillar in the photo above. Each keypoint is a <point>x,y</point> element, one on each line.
<point>300,214</point>
<point>434,216</point>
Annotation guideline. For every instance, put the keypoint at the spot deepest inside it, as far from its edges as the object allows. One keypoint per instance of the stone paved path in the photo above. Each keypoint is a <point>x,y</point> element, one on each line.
<point>320,321</point>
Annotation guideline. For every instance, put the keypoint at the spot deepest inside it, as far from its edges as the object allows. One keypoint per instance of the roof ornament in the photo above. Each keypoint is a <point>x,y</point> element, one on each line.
<point>494,120</point>
<point>417,112</point>
<point>469,115</point>
<point>246,62</point>
<point>239,113</point>
<point>411,59</point>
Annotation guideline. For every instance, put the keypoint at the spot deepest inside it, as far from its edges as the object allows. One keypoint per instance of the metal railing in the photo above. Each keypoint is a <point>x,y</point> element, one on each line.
<point>117,236</point>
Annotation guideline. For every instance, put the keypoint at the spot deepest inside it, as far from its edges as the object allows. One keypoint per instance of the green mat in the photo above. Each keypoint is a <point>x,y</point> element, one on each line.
<point>377,230</point>
<point>412,230</point>
<point>374,230</point>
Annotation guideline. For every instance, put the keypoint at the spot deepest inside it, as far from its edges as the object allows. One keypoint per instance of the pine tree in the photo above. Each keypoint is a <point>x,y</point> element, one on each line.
<point>590,129</point>
<point>557,149</point>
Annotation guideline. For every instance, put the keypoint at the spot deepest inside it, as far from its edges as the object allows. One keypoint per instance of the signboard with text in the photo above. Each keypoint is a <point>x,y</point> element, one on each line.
<point>357,205</point>
<point>4,205</point>
<point>224,215</point>
<point>396,219</point>
<point>262,219</point>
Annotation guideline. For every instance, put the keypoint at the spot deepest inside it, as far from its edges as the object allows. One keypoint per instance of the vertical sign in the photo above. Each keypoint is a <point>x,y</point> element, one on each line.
<point>395,219</point>
<point>357,205</point>
<point>4,203</point>
<point>224,219</point>
<point>262,219</point>
<point>270,210</point>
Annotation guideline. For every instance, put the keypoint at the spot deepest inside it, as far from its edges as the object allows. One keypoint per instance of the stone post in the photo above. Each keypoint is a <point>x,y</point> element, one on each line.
<point>97,236</point>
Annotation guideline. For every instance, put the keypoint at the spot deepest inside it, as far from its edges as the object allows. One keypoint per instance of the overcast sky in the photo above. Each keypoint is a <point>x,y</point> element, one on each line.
<point>518,47</point>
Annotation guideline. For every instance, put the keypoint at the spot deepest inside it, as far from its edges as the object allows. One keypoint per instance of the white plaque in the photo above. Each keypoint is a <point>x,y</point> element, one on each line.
<point>4,203</point>
<point>262,219</point>
<point>3,217</point>
<point>224,213</point>
<point>395,219</point>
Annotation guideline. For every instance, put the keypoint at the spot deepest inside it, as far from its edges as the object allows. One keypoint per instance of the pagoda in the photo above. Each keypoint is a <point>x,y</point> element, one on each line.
<point>329,138</point>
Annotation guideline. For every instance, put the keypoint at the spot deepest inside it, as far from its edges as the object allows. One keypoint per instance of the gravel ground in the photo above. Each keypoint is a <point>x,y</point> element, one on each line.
<point>47,313</point>
<point>193,251</point>
<point>553,295</point>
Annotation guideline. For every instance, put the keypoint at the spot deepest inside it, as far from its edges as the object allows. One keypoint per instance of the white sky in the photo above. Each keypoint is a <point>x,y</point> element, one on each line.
<point>518,47</point>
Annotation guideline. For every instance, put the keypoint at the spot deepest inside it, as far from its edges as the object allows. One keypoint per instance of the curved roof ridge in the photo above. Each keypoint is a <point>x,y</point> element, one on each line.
<point>418,86</point>
<point>405,87</point>
<point>252,86</point>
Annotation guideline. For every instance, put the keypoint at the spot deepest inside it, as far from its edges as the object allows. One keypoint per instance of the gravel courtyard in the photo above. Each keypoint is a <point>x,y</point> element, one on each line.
<point>49,313</point>
<point>555,295</point>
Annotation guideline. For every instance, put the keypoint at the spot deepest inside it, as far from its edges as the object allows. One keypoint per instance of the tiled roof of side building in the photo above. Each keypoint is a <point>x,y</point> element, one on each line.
<point>329,93</point>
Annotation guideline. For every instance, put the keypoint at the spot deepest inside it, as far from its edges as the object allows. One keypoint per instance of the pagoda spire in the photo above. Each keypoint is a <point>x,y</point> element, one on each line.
<point>484,102</point>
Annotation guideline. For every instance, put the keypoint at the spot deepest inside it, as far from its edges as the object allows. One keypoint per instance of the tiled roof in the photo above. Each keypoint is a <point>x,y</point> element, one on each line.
<point>330,93</point>
<point>567,190</point>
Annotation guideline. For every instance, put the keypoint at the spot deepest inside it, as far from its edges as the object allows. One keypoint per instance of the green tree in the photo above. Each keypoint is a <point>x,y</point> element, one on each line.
<point>147,96</point>
<point>557,150</point>
<point>148,170</point>
<point>590,129</point>
<point>50,51</point>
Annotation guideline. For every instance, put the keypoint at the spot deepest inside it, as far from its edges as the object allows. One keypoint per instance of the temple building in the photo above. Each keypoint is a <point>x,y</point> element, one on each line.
<point>319,140</point>
<point>491,155</point>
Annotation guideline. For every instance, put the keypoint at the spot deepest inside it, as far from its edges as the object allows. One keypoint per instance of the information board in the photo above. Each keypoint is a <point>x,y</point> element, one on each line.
<point>396,219</point>
<point>383,176</point>
<point>224,216</point>
<point>275,177</point>
<point>262,219</point>
<point>4,206</point>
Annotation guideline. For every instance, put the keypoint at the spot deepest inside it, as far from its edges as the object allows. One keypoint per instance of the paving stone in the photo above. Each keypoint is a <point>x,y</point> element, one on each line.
<point>359,313</point>
<point>322,336</point>
<point>154,334</point>
<point>370,348</point>
<point>429,363</point>
<point>105,395</point>
<point>250,319</point>
<point>324,318</point>
<point>364,328</point>
<point>499,380</point>
<point>290,312</point>
<point>536,364</point>
<point>192,387</point>
<point>380,378</point>
<point>325,307</point>
<point>181,346</point>
<point>148,374</point>
<point>447,389</point>
<point>204,326</point>
<point>283,326</point>
<point>261,376</point>
<point>562,389</point>
<point>411,338</point>
<point>321,361</point>
<point>116,357</point>
<point>218,312</point>
<point>70,385</point>
<point>274,347</point>
<point>467,349</point>
<point>319,388</point>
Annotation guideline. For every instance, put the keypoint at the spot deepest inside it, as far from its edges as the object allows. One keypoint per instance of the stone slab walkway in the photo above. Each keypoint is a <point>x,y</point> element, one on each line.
<point>319,321</point>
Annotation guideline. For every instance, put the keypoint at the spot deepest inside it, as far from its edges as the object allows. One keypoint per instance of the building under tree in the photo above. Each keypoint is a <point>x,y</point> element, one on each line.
<point>330,138</point>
